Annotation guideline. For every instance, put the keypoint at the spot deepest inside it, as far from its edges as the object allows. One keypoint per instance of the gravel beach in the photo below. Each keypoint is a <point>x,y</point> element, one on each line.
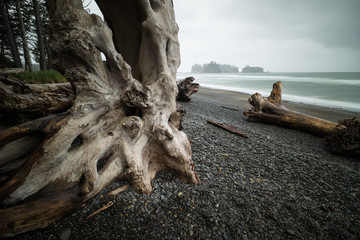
<point>277,184</point>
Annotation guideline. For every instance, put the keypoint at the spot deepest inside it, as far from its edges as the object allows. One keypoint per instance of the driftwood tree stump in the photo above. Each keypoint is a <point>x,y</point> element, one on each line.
<point>123,121</point>
<point>345,139</point>
<point>342,138</point>
<point>186,88</point>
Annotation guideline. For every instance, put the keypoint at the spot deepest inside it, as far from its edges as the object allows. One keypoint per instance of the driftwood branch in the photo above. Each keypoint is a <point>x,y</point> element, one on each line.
<point>229,108</point>
<point>101,209</point>
<point>228,127</point>
<point>47,125</point>
<point>118,190</point>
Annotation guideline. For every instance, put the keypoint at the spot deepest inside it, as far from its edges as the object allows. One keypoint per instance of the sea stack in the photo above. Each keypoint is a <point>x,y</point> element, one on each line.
<point>249,69</point>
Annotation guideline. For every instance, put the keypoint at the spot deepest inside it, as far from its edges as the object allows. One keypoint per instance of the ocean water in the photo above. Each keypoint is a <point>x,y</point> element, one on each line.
<point>329,89</point>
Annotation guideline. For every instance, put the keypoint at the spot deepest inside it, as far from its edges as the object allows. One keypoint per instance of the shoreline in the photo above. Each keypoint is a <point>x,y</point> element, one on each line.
<point>240,100</point>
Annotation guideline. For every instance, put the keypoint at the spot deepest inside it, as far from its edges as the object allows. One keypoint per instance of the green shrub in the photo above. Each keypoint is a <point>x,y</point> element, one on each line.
<point>40,77</point>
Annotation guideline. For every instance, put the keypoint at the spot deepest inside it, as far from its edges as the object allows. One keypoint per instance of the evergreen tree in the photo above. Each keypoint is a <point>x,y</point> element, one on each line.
<point>39,31</point>
<point>27,57</point>
<point>9,33</point>
<point>28,21</point>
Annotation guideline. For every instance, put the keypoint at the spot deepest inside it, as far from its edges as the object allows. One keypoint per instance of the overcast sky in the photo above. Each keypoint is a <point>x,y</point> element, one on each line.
<point>278,35</point>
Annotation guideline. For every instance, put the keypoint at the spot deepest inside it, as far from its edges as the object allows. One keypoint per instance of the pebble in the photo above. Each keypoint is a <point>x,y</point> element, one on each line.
<point>66,234</point>
<point>291,232</point>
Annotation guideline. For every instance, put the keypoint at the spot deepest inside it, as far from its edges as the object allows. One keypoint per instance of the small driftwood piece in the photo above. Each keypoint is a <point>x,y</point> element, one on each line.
<point>101,209</point>
<point>228,127</point>
<point>233,109</point>
<point>186,88</point>
<point>118,190</point>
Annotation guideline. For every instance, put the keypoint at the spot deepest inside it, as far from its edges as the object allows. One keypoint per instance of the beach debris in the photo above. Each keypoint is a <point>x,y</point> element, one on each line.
<point>186,88</point>
<point>343,138</point>
<point>174,193</point>
<point>224,154</point>
<point>236,110</point>
<point>118,190</point>
<point>109,204</point>
<point>228,127</point>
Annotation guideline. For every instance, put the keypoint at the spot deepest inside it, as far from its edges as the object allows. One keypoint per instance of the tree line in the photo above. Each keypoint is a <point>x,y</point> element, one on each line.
<point>24,34</point>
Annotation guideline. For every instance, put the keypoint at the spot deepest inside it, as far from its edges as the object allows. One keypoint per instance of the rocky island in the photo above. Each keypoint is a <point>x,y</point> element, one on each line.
<point>249,69</point>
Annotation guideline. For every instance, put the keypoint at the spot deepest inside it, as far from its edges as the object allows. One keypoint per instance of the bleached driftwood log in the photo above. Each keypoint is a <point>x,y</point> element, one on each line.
<point>271,110</point>
<point>22,102</point>
<point>123,122</point>
<point>342,138</point>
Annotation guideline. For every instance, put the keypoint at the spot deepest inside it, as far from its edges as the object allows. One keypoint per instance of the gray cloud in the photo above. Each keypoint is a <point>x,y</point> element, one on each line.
<point>283,35</point>
<point>279,35</point>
